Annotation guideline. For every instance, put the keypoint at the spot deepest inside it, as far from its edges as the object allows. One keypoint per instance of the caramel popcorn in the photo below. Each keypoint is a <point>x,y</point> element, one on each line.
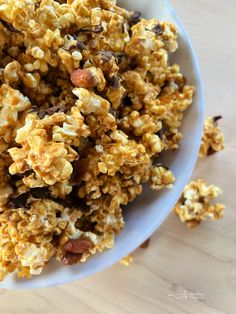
<point>89,100</point>
<point>213,138</point>
<point>127,260</point>
<point>161,178</point>
<point>196,203</point>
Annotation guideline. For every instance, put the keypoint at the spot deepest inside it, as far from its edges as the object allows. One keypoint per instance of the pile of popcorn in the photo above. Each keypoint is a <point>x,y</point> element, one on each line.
<point>88,101</point>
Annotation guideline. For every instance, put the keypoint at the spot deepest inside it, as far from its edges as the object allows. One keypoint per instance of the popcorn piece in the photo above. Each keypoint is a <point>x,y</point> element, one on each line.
<point>161,177</point>
<point>212,139</point>
<point>72,129</point>
<point>29,255</point>
<point>37,53</point>
<point>11,103</point>
<point>127,260</point>
<point>11,72</point>
<point>152,143</point>
<point>96,108</point>
<point>195,204</point>
<point>49,160</point>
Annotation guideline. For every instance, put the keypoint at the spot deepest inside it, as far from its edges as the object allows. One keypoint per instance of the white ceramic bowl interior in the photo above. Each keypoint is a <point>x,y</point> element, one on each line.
<point>147,213</point>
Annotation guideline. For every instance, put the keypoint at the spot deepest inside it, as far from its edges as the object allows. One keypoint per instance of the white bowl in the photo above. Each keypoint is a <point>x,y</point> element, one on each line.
<point>147,213</point>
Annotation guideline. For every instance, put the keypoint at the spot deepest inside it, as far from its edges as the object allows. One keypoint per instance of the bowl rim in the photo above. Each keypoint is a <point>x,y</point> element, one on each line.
<point>156,224</point>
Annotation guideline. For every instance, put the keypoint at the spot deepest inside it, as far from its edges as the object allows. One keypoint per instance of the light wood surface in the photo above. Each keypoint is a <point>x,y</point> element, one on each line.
<point>202,260</point>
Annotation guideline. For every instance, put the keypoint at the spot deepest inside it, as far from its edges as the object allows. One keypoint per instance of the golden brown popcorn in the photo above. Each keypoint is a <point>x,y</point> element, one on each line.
<point>50,160</point>
<point>96,110</point>
<point>72,129</point>
<point>161,177</point>
<point>127,260</point>
<point>197,203</point>
<point>11,72</point>
<point>213,138</point>
<point>118,154</point>
<point>152,143</point>
<point>89,100</point>
<point>141,124</point>
<point>148,36</point>
<point>18,229</point>
<point>12,102</point>
<point>115,94</point>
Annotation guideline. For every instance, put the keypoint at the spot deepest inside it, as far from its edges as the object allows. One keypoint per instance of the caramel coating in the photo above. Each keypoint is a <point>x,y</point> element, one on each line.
<point>88,102</point>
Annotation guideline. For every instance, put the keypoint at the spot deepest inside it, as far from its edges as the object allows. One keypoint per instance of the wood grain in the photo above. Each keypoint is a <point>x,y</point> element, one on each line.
<point>202,260</point>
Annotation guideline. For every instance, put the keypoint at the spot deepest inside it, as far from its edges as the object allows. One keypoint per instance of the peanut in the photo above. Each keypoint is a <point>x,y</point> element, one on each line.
<point>78,246</point>
<point>83,78</point>
<point>70,258</point>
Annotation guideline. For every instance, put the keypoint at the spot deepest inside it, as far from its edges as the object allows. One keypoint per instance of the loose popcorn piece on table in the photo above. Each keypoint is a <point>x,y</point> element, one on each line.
<point>196,203</point>
<point>127,260</point>
<point>85,112</point>
<point>213,138</point>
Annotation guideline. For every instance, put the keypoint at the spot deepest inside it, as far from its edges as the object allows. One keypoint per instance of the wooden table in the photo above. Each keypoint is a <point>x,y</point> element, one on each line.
<point>201,260</point>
